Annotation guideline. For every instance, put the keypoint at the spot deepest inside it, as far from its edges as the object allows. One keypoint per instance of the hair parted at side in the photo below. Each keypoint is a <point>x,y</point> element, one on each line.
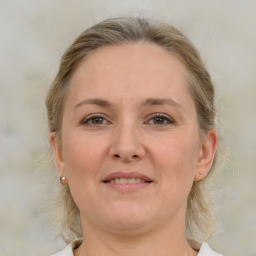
<point>200,218</point>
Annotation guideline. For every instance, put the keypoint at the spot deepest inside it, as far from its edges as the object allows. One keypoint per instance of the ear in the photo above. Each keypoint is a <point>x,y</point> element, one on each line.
<point>57,149</point>
<point>206,155</point>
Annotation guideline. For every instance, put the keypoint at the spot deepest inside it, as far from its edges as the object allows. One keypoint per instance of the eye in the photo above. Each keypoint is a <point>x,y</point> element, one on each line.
<point>160,119</point>
<point>94,120</point>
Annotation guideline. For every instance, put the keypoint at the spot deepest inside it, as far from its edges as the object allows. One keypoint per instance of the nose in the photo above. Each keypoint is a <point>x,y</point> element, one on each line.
<point>126,144</point>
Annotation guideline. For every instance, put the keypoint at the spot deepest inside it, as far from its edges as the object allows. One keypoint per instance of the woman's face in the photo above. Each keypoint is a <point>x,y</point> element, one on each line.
<point>130,141</point>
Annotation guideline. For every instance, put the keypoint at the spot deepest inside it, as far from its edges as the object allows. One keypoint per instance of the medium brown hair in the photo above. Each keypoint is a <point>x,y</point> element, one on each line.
<point>200,218</point>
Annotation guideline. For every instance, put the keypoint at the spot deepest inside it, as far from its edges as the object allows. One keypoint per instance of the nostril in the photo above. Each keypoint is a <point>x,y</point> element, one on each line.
<point>126,157</point>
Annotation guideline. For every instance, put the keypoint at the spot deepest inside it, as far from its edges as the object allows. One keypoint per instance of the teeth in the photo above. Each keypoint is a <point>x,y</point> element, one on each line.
<point>125,181</point>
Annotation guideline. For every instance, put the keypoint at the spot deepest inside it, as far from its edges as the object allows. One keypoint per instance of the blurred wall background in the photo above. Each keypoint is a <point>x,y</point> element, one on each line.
<point>34,35</point>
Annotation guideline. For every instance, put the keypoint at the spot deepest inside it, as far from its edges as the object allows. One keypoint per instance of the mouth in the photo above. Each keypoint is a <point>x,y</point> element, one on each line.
<point>127,181</point>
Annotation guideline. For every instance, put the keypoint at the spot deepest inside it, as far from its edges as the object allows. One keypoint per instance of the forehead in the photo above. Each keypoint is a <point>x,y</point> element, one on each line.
<point>138,70</point>
<point>143,56</point>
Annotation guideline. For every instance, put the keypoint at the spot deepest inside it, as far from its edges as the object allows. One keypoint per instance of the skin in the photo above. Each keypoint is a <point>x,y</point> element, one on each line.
<point>128,136</point>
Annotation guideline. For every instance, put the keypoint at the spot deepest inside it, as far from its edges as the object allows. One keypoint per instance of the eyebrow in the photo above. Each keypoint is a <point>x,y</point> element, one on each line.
<point>94,101</point>
<point>145,103</point>
<point>161,101</point>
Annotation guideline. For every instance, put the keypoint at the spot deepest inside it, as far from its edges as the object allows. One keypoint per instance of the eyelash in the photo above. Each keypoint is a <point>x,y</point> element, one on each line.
<point>88,119</point>
<point>164,117</point>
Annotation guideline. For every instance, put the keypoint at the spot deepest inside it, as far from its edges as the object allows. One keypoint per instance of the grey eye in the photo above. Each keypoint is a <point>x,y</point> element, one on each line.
<point>94,120</point>
<point>160,120</point>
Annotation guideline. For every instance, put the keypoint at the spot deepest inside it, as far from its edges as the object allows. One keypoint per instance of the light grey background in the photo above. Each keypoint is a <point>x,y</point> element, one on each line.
<point>33,36</point>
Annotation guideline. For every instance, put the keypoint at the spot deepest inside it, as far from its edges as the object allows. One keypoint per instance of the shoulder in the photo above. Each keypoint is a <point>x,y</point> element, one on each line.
<point>205,250</point>
<point>68,250</point>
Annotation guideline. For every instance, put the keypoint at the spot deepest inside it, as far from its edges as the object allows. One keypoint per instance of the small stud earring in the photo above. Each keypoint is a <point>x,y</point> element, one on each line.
<point>63,180</point>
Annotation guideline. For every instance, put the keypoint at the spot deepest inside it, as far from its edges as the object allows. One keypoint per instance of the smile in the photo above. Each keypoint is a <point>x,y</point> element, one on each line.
<point>127,182</point>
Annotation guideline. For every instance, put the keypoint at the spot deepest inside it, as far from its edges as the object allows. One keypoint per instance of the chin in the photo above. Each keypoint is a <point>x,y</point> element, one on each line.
<point>129,221</point>
<point>132,228</point>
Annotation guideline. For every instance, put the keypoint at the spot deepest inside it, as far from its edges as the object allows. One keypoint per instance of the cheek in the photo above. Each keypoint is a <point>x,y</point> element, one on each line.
<point>177,160</point>
<point>81,155</point>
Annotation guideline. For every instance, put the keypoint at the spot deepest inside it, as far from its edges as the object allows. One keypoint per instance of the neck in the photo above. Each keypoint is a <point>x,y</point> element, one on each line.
<point>167,241</point>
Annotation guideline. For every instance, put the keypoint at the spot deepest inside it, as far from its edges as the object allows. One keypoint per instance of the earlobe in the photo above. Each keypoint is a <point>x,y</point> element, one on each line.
<point>57,150</point>
<point>63,180</point>
<point>206,157</point>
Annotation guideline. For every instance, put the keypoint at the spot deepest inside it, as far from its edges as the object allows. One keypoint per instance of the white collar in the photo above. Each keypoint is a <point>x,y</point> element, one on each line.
<point>205,250</point>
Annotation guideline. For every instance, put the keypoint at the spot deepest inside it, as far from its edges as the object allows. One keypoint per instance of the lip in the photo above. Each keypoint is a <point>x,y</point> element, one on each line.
<point>127,187</point>
<point>126,175</point>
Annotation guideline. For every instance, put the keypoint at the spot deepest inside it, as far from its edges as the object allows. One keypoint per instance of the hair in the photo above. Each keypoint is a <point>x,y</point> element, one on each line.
<point>200,216</point>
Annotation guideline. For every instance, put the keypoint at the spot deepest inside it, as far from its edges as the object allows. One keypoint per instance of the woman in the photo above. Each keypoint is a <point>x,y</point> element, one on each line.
<point>132,126</point>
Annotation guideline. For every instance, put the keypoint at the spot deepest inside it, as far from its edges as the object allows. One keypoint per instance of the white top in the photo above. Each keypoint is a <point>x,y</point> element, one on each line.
<point>205,250</point>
